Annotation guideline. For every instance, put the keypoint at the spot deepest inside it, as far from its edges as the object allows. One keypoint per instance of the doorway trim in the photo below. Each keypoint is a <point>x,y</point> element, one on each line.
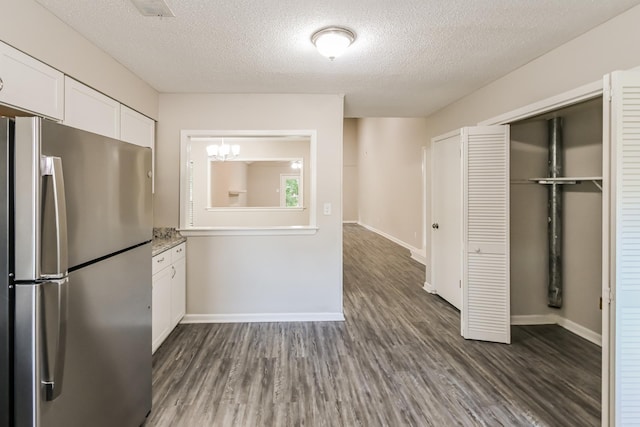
<point>425,196</point>
<point>574,96</point>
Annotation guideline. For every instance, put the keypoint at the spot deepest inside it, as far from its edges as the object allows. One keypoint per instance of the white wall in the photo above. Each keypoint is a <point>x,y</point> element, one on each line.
<point>608,47</point>
<point>528,220</point>
<point>390,176</point>
<point>29,27</point>
<point>582,218</point>
<point>264,182</point>
<point>252,275</point>
<point>350,171</point>
<point>227,176</point>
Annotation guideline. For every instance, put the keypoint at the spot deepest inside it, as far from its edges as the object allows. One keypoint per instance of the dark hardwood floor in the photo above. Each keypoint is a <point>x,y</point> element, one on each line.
<point>398,360</point>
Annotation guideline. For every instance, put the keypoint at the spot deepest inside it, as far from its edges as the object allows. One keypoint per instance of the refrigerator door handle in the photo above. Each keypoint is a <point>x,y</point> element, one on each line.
<point>54,256</point>
<point>54,335</point>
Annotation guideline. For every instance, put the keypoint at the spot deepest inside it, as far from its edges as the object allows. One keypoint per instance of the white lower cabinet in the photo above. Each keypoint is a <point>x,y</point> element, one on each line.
<point>178,288</point>
<point>168,294</point>
<point>161,306</point>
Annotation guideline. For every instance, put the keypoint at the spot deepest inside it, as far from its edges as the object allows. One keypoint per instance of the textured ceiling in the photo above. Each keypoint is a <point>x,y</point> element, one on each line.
<point>411,57</point>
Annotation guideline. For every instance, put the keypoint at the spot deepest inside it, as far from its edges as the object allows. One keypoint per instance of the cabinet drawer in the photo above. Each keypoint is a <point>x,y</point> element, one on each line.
<point>178,252</point>
<point>160,262</point>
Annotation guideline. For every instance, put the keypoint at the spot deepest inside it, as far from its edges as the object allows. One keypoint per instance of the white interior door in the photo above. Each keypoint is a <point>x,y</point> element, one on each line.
<point>486,311</point>
<point>623,359</point>
<point>446,232</point>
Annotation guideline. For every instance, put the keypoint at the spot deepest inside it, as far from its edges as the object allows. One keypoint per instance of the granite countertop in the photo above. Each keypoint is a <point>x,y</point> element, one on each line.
<point>164,239</point>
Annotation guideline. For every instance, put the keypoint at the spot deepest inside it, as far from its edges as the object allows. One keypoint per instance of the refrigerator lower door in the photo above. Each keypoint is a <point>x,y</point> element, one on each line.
<point>107,359</point>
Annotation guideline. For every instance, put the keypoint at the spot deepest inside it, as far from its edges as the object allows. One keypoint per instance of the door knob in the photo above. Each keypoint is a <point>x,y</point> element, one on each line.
<point>435,226</point>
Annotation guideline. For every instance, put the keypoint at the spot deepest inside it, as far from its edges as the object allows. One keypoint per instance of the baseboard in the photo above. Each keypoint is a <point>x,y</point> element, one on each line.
<point>427,287</point>
<point>581,331</point>
<point>535,319</point>
<point>350,222</point>
<point>263,317</point>
<point>395,240</point>
<point>554,319</point>
<point>419,256</point>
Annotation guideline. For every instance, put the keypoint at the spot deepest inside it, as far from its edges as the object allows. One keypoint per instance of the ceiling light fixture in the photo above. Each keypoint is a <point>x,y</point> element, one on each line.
<point>223,151</point>
<point>153,8</point>
<point>333,41</point>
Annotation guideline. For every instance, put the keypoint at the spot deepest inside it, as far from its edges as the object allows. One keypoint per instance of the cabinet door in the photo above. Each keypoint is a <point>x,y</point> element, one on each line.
<point>138,129</point>
<point>28,84</point>
<point>161,307</point>
<point>486,302</point>
<point>178,291</point>
<point>90,110</point>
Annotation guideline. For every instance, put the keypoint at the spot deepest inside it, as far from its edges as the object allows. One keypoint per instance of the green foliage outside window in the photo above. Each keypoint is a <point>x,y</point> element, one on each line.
<point>291,193</point>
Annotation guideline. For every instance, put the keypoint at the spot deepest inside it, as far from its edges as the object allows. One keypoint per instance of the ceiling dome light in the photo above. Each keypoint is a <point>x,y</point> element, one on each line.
<point>333,41</point>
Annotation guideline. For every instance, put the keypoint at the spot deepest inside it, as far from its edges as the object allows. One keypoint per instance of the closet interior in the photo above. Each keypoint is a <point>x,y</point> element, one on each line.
<point>562,254</point>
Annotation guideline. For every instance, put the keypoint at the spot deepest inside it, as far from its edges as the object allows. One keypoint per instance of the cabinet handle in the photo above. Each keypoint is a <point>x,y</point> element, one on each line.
<point>1,83</point>
<point>160,260</point>
<point>174,272</point>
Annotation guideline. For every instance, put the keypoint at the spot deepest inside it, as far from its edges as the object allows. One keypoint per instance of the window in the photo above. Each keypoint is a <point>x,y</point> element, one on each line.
<point>266,182</point>
<point>290,194</point>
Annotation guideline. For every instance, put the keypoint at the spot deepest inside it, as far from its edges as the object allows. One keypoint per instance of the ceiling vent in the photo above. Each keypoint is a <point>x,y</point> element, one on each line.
<point>153,8</point>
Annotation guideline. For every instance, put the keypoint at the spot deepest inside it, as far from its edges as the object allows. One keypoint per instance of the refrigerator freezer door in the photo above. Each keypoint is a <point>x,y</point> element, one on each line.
<point>107,363</point>
<point>54,219</point>
<point>107,186</point>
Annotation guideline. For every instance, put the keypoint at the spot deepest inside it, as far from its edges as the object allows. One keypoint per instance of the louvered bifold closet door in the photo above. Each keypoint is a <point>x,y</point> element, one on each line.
<point>625,192</point>
<point>485,284</point>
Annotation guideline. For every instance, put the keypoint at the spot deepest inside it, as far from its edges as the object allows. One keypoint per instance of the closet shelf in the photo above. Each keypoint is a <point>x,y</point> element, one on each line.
<point>569,180</point>
<point>236,192</point>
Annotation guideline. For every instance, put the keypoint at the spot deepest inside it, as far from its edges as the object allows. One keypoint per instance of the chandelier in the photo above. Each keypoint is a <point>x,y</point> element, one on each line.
<point>223,151</point>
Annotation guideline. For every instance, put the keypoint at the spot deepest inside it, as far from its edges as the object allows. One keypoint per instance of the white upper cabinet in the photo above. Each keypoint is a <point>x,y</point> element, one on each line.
<point>140,130</point>
<point>30,85</point>
<point>90,110</point>
<point>136,128</point>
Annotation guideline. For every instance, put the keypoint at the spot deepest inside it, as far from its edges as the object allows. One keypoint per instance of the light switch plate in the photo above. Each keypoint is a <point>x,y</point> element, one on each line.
<point>327,208</point>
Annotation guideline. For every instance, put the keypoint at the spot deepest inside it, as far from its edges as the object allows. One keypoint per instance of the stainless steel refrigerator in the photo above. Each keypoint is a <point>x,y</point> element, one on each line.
<point>75,277</point>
